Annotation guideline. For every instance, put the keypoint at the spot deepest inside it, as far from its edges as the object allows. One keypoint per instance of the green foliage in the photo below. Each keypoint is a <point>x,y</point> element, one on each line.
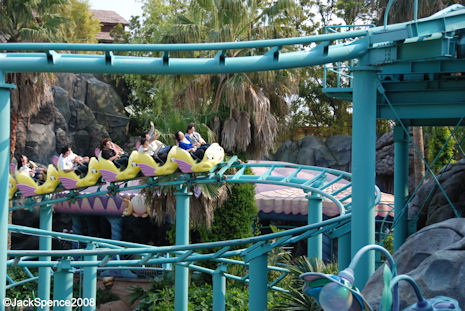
<point>48,20</point>
<point>235,219</point>
<point>295,299</point>
<point>160,296</point>
<point>105,295</point>
<point>81,26</point>
<point>23,291</point>
<point>388,243</point>
<point>439,139</point>
<point>32,20</point>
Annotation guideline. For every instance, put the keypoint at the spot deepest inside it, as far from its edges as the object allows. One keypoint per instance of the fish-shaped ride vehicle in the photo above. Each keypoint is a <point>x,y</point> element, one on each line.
<point>11,186</point>
<point>70,180</point>
<point>111,173</point>
<point>213,155</point>
<point>149,167</point>
<point>29,187</point>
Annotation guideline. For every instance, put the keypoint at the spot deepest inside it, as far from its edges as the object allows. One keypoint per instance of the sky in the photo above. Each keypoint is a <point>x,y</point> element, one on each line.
<point>125,8</point>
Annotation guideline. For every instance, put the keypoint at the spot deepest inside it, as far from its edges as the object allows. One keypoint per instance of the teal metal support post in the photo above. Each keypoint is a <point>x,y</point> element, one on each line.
<point>181,279</point>
<point>315,210</point>
<point>343,251</point>
<point>400,186</point>
<point>219,288</point>
<point>363,167</point>
<point>4,165</point>
<point>89,290</point>
<point>258,284</point>
<point>45,244</point>
<point>63,287</point>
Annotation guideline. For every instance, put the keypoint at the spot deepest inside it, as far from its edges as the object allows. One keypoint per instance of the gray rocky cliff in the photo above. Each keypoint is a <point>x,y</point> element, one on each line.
<point>80,112</point>
<point>435,258</point>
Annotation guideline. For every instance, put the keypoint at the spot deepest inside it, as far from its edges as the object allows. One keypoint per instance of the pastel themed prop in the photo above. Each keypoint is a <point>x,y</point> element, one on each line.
<point>29,187</point>
<point>213,155</point>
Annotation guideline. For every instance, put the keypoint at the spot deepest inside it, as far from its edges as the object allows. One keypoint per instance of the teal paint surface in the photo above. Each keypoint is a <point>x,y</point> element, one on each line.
<point>63,288</point>
<point>89,289</point>
<point>401,170</point>
<point>4,165</point>
<point>258,274</point>
<point>182,238</point>
<point>363,167</point>
<point>315,216</point>
<point>343,251</point>
<point>45,244</point>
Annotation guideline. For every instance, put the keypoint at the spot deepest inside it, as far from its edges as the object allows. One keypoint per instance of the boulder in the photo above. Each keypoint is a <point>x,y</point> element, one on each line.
<point>430,201</point>
<point>340,147</point>
<point>62,102</point>
<point>102,100</point>
<point>286,153</point>
<point>40,144</point>
<point>438,265</point>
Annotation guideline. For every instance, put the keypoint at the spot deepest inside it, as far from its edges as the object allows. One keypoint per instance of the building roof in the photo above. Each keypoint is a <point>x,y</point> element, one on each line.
<point>104,37</point>
<point>109,17</point>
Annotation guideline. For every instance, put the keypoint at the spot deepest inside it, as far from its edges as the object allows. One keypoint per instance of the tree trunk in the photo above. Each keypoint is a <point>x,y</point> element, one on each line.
<point>418,165</point>
<point>13,125</point>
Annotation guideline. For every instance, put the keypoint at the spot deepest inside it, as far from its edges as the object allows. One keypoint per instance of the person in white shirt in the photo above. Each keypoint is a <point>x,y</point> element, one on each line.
<point>27,167</point>
<point>151,145</point>
<point>195,138</point>
<point>71,162</point>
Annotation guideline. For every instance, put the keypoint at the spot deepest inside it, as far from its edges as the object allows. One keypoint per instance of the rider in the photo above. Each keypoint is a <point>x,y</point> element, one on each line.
<point>114,153</point>
<point>70,162</point>
<point>183,142</point>
<point>194,136</point>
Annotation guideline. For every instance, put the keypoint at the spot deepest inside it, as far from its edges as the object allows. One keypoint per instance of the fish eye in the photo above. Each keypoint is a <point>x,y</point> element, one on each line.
<point>134,164</point>
<point>210,157</point>
<point>94,171</point>
<point>52,177</point>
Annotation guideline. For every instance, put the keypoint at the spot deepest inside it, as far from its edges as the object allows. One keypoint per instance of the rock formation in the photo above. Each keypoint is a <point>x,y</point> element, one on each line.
<point>336,152</point>
<point>81,111</point>
<point>430,201</point>
<point>435,258</point>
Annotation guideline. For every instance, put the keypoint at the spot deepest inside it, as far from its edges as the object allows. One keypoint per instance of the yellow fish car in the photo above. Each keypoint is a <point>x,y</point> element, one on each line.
<point>151,168</point>
<point>213,155</point>
<point>111,173</point>
<point>29,187</point>
<point>70,180</point>
<point>11,186</point>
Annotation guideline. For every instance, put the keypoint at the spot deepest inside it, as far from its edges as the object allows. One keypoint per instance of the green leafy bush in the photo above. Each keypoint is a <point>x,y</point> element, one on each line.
<point>160,297</point>
<point>235,219</point>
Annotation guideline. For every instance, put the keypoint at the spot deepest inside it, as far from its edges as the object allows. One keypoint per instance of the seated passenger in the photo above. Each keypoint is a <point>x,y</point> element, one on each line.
<point>30,168</point>
<point>184,143</point>
<point>70,162</point>
<point>149,142</point>
<point>150,149</point>
<point>195,138</point>
<point>113,153</point>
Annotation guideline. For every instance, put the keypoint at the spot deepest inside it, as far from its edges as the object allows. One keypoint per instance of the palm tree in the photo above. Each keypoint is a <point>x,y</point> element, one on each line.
<point>206,198</point>
<point>246,103</point>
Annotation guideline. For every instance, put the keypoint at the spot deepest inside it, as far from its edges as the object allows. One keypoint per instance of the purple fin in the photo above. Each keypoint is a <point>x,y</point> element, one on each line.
<point>26,190</point>
<point>109,176</point>
<point>184,166</point>
<point>146,169</point>
<point>68,183</point>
